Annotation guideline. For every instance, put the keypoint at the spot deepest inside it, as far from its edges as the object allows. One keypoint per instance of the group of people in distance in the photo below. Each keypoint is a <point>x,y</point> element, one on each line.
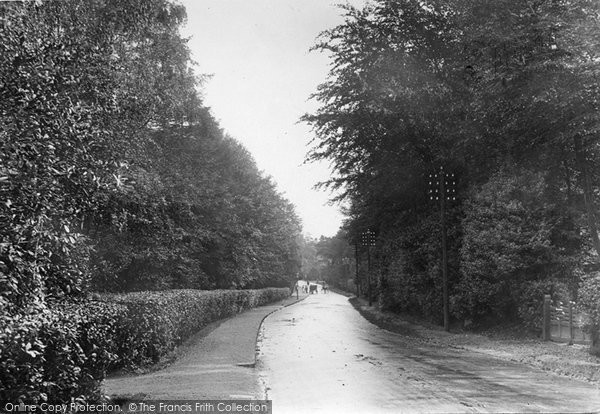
<point>309,288</point>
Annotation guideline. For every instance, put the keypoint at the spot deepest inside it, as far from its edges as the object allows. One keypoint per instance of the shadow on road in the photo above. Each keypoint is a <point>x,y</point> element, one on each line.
<point>390,323</point>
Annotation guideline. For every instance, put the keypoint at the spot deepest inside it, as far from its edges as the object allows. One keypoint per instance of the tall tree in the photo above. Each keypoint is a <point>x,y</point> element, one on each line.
<point>481,88</point>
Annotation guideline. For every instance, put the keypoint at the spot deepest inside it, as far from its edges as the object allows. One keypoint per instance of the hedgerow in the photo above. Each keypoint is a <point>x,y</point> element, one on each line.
<point>63,352</point>
<point>57,354</point>
<point>154,323</point>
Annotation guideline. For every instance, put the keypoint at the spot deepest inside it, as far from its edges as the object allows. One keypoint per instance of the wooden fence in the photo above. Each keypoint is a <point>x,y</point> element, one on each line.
<point>564,322</point>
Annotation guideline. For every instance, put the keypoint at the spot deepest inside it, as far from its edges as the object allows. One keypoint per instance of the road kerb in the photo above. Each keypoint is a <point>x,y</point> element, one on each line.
<point>253,364</point>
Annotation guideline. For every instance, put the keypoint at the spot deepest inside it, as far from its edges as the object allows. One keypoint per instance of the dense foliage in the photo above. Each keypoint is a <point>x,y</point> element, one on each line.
<point>153,323</point>
<point>502,94</point>
<point>57,354</point>
<point>105,145</point>
<point>65,352</point>
<point>115,177</point>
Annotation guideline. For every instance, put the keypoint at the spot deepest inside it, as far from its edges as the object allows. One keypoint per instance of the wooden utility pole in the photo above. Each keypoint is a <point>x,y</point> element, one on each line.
<point>356,276</point>
<point>369,274</point>
<point>442,188</point>
<point>368,239</point>
<point>444,256</point>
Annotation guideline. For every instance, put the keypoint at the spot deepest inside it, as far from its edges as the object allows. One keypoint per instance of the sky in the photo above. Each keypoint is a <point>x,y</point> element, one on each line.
<point>262,74</point>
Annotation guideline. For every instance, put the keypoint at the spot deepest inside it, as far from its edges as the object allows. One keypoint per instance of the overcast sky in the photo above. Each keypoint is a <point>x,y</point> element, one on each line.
<point>262,75</point>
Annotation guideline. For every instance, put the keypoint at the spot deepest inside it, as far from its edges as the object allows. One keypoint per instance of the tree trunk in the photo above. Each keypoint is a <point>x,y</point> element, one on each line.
<point>580,159</point>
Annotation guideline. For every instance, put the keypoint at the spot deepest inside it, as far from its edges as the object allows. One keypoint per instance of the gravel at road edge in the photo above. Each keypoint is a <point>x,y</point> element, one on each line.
<point>567,360</point>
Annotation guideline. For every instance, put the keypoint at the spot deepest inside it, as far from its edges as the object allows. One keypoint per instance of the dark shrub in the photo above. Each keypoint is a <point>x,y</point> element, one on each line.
<point>63,352</point>
<point>57,354</point>
<point>154,323</point>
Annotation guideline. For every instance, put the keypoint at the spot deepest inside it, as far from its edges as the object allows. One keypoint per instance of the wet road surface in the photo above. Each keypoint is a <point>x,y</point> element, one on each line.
<point>321,355</point>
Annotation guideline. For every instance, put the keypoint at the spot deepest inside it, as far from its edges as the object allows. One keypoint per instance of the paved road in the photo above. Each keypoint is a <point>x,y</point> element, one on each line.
<point>320,355</point>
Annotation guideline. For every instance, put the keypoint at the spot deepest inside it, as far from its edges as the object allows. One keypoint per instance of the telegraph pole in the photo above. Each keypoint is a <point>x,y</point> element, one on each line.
<point>442,188</point>
<point>357,275</point>
<point>368,239</point>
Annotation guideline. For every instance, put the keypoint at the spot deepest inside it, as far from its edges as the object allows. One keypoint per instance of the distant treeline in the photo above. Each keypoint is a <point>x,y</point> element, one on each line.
<point>113,174</point>
<point>504,95</point>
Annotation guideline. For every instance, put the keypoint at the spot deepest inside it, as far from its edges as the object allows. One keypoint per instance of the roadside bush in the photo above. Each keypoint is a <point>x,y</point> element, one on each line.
<point>63,352</point>
<point>410,288</point>
<point>531,300</point>
<point>411,281</point>
<point>514,236</point>
<point>58,354</point>
<point>154,323</point>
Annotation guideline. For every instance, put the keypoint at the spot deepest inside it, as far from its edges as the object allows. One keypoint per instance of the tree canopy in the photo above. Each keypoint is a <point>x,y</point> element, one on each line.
<point>113,174</point>
<point>502,94</point>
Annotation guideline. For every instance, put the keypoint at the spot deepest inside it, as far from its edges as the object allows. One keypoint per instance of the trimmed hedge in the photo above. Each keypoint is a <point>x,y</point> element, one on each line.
<point>63,353</point>
<point>58,353</point>
<point>154,323</point>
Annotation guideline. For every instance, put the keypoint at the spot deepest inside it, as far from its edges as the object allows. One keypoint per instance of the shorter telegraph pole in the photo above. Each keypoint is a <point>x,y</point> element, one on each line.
<point>442,188</point>
<point>368,239</point>
<point>357,274</point>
